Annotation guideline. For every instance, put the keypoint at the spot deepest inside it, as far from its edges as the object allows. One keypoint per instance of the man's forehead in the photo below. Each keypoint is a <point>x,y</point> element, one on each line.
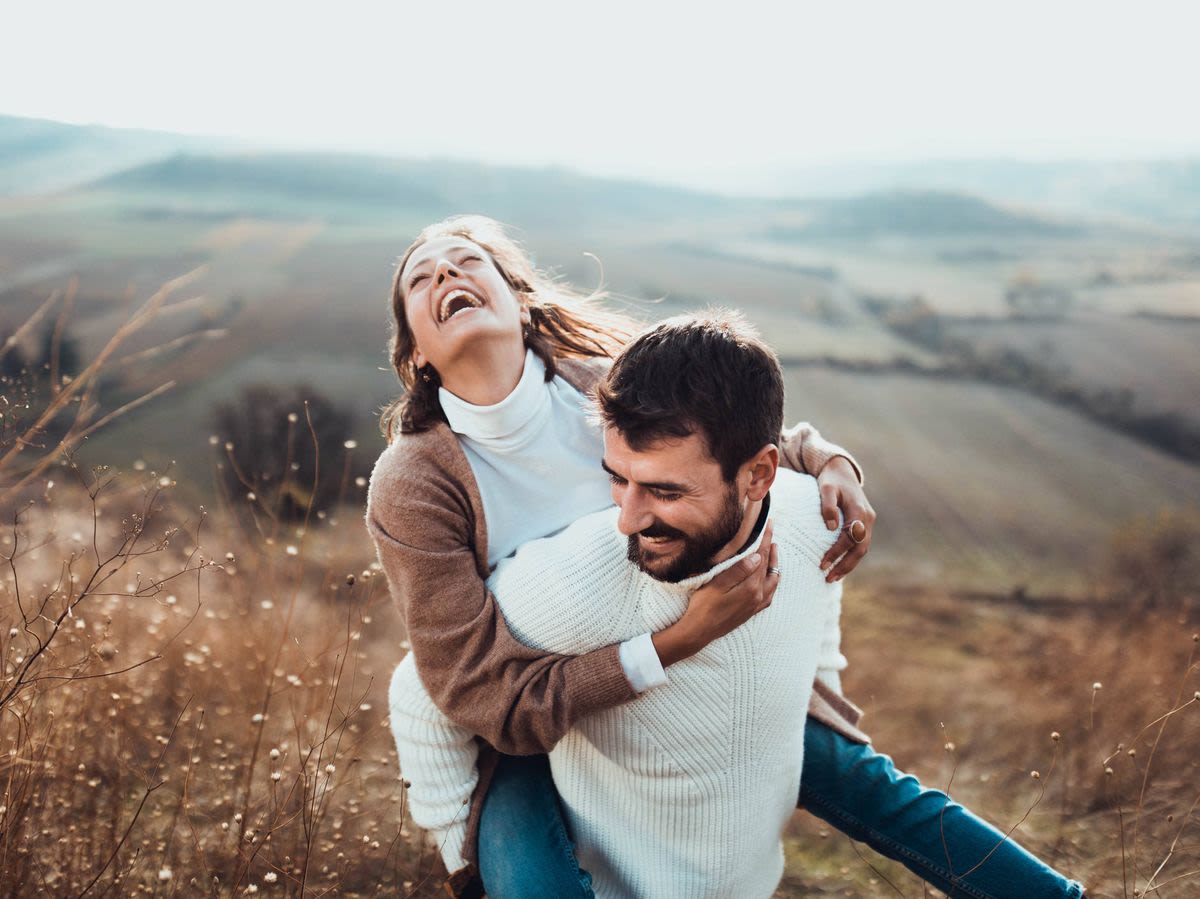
<point>669,458</point>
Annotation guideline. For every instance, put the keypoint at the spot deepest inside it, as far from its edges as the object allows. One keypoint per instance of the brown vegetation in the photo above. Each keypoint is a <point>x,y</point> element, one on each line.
<point>184,710</point>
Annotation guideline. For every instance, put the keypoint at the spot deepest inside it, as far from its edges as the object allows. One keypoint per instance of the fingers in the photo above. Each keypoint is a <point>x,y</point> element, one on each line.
<point>840,547</point>
<point>771,582</point>
<point>736,574</point>
<point>848,562</point>
<point>829,505</point>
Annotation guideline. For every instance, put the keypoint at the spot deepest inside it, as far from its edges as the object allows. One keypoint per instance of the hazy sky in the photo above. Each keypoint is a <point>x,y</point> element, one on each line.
<point>652,89</point>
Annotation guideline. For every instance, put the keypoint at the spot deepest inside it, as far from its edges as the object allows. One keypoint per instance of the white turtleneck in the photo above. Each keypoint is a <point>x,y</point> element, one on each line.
<point>536,458</point>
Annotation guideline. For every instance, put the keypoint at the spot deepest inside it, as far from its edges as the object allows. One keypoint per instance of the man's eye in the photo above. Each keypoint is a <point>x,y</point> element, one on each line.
<point>664,496</point>
<point>617,480</point>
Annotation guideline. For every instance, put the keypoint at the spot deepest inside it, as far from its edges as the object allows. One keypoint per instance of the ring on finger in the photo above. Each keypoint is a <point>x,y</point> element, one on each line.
<point>857,535</point>
<point>771,569</point>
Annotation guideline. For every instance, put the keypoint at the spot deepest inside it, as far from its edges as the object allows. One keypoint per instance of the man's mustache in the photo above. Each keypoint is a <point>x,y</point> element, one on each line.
<point>658,529</point>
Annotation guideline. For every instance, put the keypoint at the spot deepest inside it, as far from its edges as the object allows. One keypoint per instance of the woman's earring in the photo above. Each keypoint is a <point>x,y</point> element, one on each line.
<point>425,375</point>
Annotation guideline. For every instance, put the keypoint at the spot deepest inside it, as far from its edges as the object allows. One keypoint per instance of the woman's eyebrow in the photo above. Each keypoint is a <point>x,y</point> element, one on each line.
<point>467,251</point>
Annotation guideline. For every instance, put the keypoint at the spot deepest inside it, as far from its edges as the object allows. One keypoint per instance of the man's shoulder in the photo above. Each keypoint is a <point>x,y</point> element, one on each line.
<point>588,546</point>
<point>796,510</point>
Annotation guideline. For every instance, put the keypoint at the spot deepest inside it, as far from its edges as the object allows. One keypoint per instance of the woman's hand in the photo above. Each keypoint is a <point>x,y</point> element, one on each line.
<point>723,604</point>
<point>840,489</point>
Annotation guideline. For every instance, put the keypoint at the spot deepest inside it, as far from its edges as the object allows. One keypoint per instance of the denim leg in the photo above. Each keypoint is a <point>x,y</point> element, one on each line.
<point>861,793</point>
<point>525,851</point>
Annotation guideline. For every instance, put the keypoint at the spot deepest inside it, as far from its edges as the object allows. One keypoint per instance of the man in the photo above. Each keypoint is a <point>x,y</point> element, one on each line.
<point>685,790</point>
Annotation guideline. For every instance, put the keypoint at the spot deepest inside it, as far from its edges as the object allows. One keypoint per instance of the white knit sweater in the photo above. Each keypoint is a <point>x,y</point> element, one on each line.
<point>685,790</point>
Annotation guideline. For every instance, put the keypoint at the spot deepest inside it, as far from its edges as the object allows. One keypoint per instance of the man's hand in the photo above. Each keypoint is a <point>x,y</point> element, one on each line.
<point>840,490</point>
<point>723,604</point>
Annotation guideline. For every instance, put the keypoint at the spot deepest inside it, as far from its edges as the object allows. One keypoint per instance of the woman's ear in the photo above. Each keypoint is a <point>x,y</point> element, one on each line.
<point>419,359</point>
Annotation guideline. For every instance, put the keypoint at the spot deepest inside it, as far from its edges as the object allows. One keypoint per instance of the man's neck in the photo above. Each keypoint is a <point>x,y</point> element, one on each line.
<point>753,522</point>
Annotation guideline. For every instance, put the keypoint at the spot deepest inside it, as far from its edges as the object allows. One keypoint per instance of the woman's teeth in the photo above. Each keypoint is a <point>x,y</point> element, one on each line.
<point>457,301</point>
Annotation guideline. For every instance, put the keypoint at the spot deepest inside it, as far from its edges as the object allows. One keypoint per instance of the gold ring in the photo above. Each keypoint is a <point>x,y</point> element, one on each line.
<point>849,529</point>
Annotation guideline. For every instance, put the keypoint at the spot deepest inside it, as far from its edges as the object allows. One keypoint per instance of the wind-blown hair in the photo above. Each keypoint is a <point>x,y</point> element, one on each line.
<point>563,323</point>
<point>709,374</point>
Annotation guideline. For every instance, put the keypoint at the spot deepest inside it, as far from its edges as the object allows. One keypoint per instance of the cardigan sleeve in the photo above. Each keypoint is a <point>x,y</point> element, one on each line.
<point>520,700</point>
<point>802,448</point>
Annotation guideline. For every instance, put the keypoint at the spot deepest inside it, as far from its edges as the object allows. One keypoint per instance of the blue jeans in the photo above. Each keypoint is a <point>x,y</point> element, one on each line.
<point>525,849</point>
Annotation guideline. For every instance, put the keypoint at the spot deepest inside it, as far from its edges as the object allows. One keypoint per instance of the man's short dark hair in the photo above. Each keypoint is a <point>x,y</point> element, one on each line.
<point>709,374</point>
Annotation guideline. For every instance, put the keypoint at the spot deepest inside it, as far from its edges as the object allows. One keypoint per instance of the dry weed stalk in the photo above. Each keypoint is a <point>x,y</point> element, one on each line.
<point>180,720</point>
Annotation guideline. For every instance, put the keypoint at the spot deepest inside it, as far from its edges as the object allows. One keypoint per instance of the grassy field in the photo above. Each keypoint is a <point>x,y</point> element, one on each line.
<point>193,701</point>
<point>208,715</point>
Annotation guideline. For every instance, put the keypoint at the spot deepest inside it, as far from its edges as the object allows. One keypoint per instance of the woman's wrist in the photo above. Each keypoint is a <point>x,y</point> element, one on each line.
<point>675,643</point>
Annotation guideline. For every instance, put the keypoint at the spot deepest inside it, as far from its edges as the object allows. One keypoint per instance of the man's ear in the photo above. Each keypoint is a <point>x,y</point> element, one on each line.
<point>760,471</point>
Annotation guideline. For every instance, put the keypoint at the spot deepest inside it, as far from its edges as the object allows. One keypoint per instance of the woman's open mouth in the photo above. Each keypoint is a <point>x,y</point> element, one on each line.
<point>455,302</point>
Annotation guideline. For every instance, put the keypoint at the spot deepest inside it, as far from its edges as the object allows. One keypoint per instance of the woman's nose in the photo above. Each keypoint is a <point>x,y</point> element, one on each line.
<point>445,271</point>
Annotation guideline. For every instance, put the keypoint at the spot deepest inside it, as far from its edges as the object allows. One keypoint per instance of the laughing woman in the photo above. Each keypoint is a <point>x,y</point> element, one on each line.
<point>491,445</point>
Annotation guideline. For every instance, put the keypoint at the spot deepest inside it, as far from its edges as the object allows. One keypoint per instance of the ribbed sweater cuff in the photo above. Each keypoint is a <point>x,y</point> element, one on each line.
<point>816,459</point>
<point>450,843</point>
<point>605,684</point>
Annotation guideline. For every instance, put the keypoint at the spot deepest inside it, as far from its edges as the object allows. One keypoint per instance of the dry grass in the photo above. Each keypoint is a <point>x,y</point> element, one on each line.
<point>188,707</point>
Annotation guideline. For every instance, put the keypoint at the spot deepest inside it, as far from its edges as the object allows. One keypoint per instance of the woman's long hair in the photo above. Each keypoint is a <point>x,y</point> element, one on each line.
<point>563,323</point>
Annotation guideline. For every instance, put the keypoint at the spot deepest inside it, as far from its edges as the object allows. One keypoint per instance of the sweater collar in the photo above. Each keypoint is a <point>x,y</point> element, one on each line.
<point>505,418</point>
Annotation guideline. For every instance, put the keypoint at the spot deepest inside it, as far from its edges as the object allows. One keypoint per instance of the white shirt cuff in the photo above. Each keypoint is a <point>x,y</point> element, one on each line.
<point>642,665</point>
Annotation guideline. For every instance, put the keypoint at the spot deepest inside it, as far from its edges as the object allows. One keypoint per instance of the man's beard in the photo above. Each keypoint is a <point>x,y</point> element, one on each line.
<point>698,549</point>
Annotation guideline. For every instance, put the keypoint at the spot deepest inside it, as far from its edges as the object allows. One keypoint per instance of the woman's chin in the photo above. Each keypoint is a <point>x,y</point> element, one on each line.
<point>474,334</point>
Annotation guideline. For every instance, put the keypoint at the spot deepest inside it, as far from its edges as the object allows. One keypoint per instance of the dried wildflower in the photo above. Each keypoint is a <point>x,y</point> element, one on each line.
<point>1097,686</point>
<point>165,873</point>
<point>1036,775</point>
<point>1055,736</point>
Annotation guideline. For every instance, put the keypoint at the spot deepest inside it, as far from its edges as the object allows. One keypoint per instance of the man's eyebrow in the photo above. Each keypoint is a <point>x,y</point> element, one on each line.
<point>665,486</point>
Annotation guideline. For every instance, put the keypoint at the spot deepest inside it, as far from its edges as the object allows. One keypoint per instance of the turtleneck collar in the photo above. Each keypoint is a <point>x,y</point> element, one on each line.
<point>506,419</point>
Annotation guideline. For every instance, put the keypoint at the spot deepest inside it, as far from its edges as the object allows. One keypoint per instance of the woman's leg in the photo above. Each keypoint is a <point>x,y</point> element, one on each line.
<point>525,851</point>
<point>861,793</point>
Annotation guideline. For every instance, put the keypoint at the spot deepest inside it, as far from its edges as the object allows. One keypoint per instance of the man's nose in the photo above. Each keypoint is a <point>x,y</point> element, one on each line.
<point>444,270</point>
<point>635,516</point>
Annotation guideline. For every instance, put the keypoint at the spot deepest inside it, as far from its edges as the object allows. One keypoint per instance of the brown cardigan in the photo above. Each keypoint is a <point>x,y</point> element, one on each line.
<point>425,515</point>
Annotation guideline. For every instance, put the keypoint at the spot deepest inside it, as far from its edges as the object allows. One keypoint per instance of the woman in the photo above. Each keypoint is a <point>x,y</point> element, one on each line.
<point>483,457</point>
